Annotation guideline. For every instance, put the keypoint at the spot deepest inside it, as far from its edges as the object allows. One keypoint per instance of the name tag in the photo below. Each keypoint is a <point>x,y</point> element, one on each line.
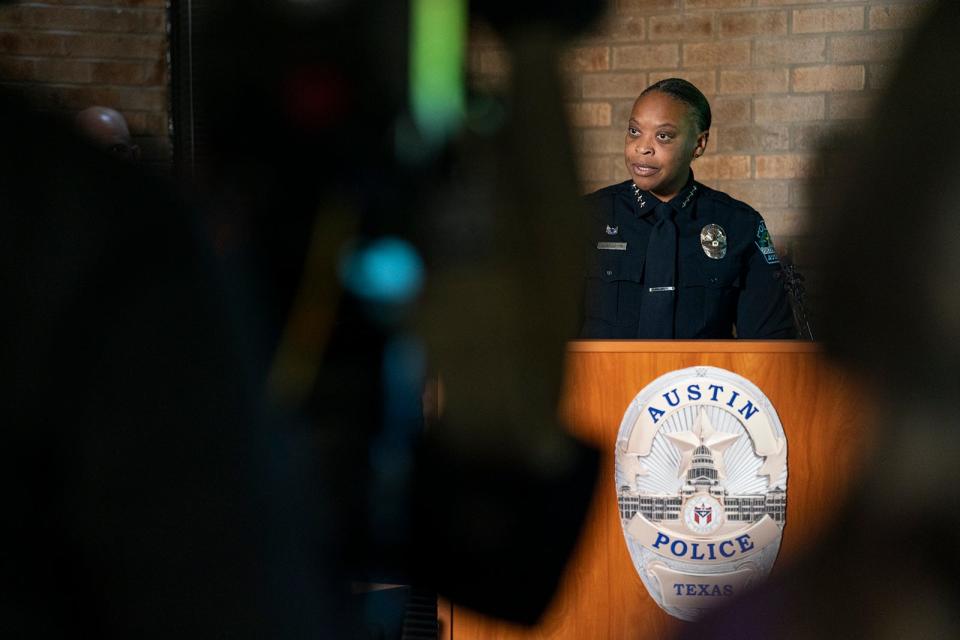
<point>612,246</point>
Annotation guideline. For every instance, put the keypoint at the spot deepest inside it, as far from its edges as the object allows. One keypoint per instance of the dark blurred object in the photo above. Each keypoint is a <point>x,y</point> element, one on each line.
<point>564,16</point>
<point>890,206</point>
<point>312,139</point>
<point>145,493</point>
<point>888,568</point>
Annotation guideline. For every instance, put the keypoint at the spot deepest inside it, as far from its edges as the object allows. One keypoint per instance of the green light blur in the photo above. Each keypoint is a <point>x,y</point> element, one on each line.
<point>437,45</point>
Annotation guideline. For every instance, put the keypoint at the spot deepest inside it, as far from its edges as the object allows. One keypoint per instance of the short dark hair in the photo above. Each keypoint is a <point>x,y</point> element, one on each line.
<point>688,94</point>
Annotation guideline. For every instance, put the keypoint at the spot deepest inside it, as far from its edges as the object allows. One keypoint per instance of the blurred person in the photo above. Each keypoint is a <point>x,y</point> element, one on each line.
<point>669,257</point>
<point>888,567</point>
<point>486,505</point>
<point>108,130</point>
<point>146,492</point>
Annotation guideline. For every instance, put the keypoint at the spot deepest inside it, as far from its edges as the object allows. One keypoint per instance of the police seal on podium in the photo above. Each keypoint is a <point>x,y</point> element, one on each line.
<point>701,477</point>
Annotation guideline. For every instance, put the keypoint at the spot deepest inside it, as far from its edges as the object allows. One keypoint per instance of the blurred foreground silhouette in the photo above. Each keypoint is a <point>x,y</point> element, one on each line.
<point>209,450</point>
<point>888,569</point>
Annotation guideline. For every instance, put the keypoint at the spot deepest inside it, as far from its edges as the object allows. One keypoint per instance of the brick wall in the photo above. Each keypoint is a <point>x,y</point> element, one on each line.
<point>70,54</point>
<point>780,74</point>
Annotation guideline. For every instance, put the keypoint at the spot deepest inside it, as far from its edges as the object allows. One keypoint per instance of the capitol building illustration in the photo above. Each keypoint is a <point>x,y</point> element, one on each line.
<point>702,477</point>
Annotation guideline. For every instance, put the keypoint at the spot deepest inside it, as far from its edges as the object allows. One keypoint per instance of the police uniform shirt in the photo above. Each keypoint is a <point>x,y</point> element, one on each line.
<point>737,288</point>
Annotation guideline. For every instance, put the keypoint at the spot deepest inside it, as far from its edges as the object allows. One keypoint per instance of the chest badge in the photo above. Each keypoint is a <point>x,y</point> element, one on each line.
<point>612,231</point>
<point>713,240</point>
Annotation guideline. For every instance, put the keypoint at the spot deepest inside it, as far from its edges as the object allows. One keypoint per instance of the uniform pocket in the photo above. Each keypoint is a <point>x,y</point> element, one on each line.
<point>613,289</point>
<point>707,299</point>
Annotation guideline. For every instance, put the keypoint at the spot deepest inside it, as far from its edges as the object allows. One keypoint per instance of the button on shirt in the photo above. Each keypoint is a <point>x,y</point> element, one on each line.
<point>739,294</point>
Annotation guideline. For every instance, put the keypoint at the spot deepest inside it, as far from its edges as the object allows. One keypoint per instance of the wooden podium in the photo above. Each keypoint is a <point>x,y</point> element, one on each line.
<point>601,595</point>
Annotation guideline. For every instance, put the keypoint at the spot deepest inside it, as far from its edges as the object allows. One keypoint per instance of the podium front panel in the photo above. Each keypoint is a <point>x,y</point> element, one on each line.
<point>825,420</point>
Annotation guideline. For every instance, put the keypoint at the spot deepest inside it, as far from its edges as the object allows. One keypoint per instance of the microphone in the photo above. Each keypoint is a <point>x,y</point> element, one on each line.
<point>792,281</point>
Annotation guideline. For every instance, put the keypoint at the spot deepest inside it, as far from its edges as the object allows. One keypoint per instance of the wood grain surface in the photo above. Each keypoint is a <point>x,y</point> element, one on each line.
<point>822,412</point>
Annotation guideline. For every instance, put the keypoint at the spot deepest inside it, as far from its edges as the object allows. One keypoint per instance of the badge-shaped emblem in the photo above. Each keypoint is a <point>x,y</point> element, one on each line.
<point>765,244</point>
<point>701,474</point>
<point>713,239</point>
<point>612,231</point>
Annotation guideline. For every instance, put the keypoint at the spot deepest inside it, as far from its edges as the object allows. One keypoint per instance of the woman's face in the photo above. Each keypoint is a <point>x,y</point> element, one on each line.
<point>662,139</point>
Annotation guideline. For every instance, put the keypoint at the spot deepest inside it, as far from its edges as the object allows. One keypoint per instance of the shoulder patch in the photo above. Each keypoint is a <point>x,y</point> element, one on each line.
<point>765,244</point>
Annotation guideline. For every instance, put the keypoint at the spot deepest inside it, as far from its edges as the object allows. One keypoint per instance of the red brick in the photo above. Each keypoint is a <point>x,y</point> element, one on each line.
<point>38,44</point>
<point>828,20</point>
<point>589,114</point>
<point>595,169</point>
<point>828,78</point>
<point>753,23</point>
<point>759,194</point>
<point>754,81</point>
<point>763,3</point>
<point>784,223</point>
<point>120,98</point>
<point>801,195</point>
<point>11,16</point>
<point>810,136</point>
<point>93,19</point>
<point>617,169</point>
<point>789,108</point>
<point>159,4</point>
<point>896,16</point>
<point>751,137</point>
<point>13,68</point>
<point>727,111</point>
<point>156,73</point>
<point>154,21</point>
<point>850,106</point>
<point>133,73</point>
<point>602,141</point>
<point>646,5</point>
<point>93,45</point>
<point>721,167</point>
<point>62,70</point>
<point>716,53</point>
<point>681,27</point>
<point>615,26</point>
<point>706,81</point>
<point>646,56</point>
<point>873,47</point>
<point>622,109</point>
<point>787,166</point>
<point>147,123</point>
<point>613,85</point>
<point>717,4</point>
<point>586,59</point>
<point>795,50</point>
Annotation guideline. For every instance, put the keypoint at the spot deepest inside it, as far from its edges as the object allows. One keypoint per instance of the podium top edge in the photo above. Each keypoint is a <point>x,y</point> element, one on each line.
<point>693,346</point>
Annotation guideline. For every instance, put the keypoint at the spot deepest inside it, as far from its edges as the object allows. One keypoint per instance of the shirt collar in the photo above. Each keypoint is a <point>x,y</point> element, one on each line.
<point>683,201</point>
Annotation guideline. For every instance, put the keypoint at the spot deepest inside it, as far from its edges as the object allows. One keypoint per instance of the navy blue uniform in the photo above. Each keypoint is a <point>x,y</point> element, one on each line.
<point>737,295</point>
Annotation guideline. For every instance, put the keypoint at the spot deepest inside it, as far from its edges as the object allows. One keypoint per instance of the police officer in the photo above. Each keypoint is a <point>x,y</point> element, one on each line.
<point>669,257</point>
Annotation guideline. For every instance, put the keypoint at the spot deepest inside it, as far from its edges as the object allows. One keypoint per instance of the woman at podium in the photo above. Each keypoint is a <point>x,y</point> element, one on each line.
<point>669,257</point>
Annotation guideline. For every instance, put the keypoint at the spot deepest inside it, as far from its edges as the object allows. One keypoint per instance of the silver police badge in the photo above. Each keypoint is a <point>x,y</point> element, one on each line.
<point>713,239</point>
<point>701,475</point>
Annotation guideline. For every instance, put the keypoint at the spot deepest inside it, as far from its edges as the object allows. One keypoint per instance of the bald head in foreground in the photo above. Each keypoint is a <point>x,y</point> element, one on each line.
<point>108,130</point>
